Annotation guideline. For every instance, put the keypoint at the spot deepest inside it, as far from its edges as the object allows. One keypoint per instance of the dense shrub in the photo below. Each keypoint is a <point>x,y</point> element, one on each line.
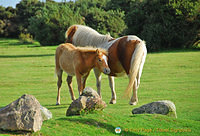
<point>51,22</point>
<point>98,16</point>
<point>8,25</point>
<point>25,10</point>
<point>26,38</point>
<point>162,24</point>
<point>106,21</point>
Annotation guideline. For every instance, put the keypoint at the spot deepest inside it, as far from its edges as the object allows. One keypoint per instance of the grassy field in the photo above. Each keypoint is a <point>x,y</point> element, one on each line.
<point>173,75</point>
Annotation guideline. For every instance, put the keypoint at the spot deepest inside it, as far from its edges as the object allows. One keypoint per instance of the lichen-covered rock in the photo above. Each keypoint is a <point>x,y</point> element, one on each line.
<point>77,106</point>
<point>164,107</point>
<point>23,115</point>
<point>46,114</point>
<point>88,101</point>
<point>95,104</point>
<point>89,92</point>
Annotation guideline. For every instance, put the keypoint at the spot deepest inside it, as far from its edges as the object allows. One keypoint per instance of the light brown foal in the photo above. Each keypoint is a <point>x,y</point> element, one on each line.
<point>78,61</point>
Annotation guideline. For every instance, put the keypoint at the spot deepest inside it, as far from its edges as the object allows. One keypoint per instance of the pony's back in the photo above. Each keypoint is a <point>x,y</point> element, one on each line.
<point>84,36</point>
<point>63,49</point>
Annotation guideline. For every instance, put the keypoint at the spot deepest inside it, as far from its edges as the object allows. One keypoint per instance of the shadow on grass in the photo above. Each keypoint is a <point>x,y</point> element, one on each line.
<point>7,132</point>
<point>26,56</point>
<point>95,123</point>
<point>54,106</point>
<point>16,42</point>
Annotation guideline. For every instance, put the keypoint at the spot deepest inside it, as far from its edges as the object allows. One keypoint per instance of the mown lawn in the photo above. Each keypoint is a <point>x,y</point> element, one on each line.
<point>173,75</point>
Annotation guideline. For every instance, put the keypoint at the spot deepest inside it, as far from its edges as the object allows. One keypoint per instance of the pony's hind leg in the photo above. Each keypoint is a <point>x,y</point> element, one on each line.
<point>59,83</point>
<point>69,83</point>
<point>112,87</point>
<point>134,98</point>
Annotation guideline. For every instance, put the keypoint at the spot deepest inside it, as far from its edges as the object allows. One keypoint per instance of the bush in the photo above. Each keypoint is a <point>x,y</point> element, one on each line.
<point>106,21</point>
<point>51,22</point>
<point>99,17</point>
<point>8,25</point>
<point>162,24</point>
<point>26,38</point>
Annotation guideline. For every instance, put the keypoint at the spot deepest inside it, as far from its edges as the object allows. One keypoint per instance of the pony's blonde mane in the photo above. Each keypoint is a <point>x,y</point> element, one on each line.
<point>85,35</point>
<point>92,49</point>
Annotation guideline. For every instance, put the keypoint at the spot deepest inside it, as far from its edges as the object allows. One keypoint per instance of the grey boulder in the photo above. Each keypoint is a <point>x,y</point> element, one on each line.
<point>88,101</point>
<point>46,114</point>
<point>164,107</point>
<point>24,114</point>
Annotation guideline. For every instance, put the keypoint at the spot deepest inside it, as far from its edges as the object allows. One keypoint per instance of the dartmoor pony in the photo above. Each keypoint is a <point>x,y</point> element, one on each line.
<point>126,55</point>
<point>78,61</point>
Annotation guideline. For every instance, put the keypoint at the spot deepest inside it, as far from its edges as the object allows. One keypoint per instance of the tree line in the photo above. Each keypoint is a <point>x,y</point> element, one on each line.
<point>163,24</point>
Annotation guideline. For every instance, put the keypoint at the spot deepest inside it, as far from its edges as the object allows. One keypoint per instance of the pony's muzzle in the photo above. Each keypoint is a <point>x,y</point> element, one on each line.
<point>106,71</point>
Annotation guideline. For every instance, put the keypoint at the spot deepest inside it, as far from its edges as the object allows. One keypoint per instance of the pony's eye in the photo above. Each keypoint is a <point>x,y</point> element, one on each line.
<point>100,60</point>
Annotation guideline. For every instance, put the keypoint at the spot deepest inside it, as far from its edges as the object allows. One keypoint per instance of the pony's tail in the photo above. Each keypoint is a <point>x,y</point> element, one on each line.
<point>135,65</point>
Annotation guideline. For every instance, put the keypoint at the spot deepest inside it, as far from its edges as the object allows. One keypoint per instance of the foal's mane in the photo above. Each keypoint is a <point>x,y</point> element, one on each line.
<point>91,49</point>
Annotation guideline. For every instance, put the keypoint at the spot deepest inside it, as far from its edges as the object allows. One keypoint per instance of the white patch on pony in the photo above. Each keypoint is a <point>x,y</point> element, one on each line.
<point>133,37</point>
<point>105,59</point>
<point>107,45</point>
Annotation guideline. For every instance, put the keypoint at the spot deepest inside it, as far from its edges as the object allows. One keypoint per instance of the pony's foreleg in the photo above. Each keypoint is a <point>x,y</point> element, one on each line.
<point>98,80</point>
<point>134,98</point>
<point>69,82</point>
<point>84,80</point>
<point>59,83</point>
<point>112,87</point>
<point>79,82</point>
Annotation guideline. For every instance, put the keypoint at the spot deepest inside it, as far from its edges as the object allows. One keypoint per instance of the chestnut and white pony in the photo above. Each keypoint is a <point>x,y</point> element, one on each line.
<point>78,61</point>
<point>126,55</point>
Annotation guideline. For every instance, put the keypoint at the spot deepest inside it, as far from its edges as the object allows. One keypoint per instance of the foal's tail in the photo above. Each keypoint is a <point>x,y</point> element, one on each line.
<point>57,56</point>
<point>135,65</point>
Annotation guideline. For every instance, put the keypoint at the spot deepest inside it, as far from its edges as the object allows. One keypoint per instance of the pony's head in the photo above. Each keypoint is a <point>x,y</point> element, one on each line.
<point>102,61</point>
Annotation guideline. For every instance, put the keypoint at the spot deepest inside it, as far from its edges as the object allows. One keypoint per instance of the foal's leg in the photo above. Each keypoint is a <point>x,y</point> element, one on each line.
<point>98,80</point>
<point>112,87</point>
<point>84,80</point>
<point>79,82</point>
<point>69,82</point>
<point>134,98</point>
<point>59,83</point>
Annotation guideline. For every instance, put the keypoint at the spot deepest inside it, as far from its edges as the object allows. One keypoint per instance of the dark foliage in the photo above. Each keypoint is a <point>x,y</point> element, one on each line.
<point>163,24</point>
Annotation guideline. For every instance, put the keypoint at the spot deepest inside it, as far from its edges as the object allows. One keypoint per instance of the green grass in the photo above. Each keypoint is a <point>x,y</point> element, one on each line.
<point>171,76</point>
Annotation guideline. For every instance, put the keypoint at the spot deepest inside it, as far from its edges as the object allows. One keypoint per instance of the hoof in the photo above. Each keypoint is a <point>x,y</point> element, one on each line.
<point>112,101</point>
<point>133,103</point>
<point>57,103</point>
<point>73,99</point>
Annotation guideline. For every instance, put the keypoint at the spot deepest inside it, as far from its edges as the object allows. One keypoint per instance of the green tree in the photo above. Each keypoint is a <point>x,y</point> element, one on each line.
<point>25,10</point>
<point>101,18</point>
<point>51,22</point>
<point>162,25</point>
<point>8,25</point>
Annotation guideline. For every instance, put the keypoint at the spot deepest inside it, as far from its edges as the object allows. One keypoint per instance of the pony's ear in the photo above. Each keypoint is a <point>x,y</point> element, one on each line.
<point>97,51</point>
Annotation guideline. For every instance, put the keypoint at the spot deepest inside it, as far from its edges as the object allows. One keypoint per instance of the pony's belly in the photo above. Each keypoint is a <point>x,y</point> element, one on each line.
<point>67,66</point>
<point>70,71</point>
<point>117,70</point>
<point>123,73</point>
<point>70,74</point>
